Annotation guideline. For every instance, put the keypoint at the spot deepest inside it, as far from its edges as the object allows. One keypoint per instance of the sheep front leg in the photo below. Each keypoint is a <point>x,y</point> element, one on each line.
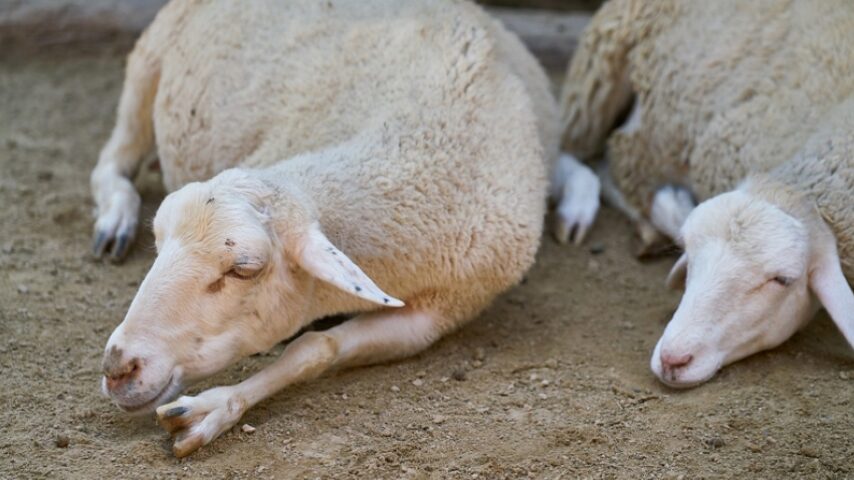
<point>117,201</point>
<point>577,189</point>
<point>366,339</point>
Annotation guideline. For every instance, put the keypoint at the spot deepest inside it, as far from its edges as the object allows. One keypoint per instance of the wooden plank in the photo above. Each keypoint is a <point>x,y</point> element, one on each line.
<point>551,36</point>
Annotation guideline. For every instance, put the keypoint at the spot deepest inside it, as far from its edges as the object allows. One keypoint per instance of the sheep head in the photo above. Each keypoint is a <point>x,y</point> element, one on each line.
<point>749,269</point>
<point>234,275</point>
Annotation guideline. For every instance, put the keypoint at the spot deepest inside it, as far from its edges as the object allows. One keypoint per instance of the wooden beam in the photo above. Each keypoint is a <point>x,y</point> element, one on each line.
<point>551,36</point>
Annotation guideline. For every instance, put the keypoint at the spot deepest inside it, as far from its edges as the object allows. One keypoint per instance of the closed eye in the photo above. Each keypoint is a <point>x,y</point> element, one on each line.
<point>238,274</point>
<point>218,285</point>
<point>783,280</point>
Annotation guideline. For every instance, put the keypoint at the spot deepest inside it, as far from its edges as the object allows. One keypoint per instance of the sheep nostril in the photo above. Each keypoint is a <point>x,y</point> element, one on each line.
<point>119,374</point>
<point>671,361</point>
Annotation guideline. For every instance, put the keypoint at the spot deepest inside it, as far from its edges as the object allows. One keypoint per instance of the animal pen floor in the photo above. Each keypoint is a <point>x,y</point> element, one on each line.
<point>551,382</point>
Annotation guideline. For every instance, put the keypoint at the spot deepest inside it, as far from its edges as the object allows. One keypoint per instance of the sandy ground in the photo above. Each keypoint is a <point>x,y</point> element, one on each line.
<point>551,382</point>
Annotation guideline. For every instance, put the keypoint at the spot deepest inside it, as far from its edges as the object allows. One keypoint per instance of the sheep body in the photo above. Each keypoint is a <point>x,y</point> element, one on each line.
<point>411,137</point>
<point>307,75</point>
<point>711,80</point>
<point>415,95</point>
<point>822,174</point>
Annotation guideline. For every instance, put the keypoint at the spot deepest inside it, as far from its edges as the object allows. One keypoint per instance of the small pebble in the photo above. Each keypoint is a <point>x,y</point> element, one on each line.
<point>246,428</point>
<point>395,388</point>
<point>438,419</point>
<point>62,441</point>
<point>418,382</point>
<point>715,442</point>
<point>810,452</point>
<point>754,447</point>
<point>844,375</point>
<point>597,248</point>
<point>479,354</point>
<point>459,375</point>
<point>23,289</point>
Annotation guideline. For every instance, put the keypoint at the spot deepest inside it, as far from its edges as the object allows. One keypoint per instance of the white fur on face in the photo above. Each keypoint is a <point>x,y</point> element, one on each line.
<point>746,287</point>
<point>197,310</point>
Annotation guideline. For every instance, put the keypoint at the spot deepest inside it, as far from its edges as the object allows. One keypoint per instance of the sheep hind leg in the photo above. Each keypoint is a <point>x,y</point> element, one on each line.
<point>630,159</point>
<point>116,199</point>
<point>652,241</point>
<point>367,339</point>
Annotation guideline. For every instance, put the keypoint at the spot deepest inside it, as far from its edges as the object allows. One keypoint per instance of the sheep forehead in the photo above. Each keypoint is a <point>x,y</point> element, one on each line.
<point>203,219</point>
<point>770,240</point>
<point>184,213</point>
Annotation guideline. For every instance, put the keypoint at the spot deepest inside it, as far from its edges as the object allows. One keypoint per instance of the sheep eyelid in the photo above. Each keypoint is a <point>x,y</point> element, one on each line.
<point>782,280</point>
<point>218,285</point>
<point>234,274</point>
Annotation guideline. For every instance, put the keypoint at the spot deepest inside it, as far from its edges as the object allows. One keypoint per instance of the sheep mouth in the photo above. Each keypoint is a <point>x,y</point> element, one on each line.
<point>672,379</point>
<point>167,393</point>
<point>683,385</point>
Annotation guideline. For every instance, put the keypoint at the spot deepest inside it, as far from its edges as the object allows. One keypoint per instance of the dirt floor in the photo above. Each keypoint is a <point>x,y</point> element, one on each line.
<point>551,382</point>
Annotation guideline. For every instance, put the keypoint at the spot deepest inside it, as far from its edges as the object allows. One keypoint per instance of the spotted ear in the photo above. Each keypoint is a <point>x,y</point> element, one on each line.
<point>830,286</point>
<point>319,257</point>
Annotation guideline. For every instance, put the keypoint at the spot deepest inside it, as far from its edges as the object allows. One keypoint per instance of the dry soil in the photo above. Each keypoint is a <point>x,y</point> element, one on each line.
<point>551,382</point>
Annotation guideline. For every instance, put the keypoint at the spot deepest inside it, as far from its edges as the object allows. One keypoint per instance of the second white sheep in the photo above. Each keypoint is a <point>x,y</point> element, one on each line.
<point>749,107</point>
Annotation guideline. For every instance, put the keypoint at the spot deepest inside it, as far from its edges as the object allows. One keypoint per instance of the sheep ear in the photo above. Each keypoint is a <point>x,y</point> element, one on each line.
<point>676,277</point>
<point>830,286</point>
<point>319,257</point>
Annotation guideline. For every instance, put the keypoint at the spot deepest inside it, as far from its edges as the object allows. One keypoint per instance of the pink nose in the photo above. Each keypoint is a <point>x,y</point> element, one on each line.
<point>672,361</point>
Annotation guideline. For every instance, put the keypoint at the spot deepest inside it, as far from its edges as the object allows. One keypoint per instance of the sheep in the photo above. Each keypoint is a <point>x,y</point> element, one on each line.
<point>747,107</point>
<point>385,158</point>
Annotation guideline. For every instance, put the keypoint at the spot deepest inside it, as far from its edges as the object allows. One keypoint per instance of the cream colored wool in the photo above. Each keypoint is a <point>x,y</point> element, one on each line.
<point>408,125</point>
<point>409,137</point>
<point>726,90</point>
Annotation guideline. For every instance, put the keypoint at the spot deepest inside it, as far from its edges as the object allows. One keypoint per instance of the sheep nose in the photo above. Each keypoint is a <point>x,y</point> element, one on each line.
<point>671,361</point>
<point>118,370</point>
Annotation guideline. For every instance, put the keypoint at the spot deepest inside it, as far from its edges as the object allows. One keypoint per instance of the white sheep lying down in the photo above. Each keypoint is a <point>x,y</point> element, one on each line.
<point>750,107</point>
<point>380,146</point>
